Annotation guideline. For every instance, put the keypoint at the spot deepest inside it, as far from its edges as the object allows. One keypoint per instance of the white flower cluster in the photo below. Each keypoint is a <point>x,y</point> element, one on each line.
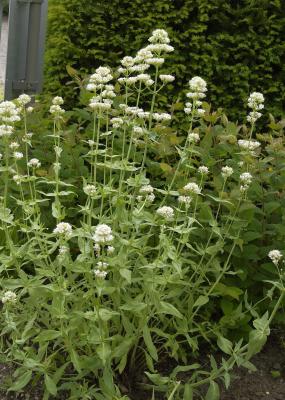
<point>246,179</point>
<point>152,54</point>
<point>255,102</point>
<point>14,145</point>
<point>275,256</point>
<point>160,117</point>
<point>90,190</point>
<point>203,170</point>
<point>146,193</point>
<point>250,145</point>
<point>165,212</point>
<point>63,229</point>
<point>6,130</point>
<point>166,78</point>
<point>9,297</point>
<point>100,272</point>
<point>18,155</point>
<point>23,100</point>
<point>193,137</point>
<point>192,188</point>
<point>198,89</point>
<point>117,122</point>
<point>100,81</point>
<point>55,109</point>
<point>184,200</point>
<point>9,113</point>
<point>103,234</point>
<point>227,172</point>
<point>34,163</point>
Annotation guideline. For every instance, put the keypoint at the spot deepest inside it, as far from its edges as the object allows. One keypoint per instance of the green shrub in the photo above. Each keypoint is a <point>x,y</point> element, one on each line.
<point>129,243</point>
<point>237,46</point>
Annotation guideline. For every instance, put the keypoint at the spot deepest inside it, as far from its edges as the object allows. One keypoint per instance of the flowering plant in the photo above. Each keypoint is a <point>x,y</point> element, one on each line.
<point>93,301</point>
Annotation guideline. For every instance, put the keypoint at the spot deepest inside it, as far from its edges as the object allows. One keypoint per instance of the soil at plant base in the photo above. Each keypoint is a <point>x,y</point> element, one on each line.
<point>267,383</point>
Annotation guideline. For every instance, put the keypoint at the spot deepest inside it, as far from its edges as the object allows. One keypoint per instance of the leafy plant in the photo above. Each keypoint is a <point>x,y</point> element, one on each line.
<point>134,253</point>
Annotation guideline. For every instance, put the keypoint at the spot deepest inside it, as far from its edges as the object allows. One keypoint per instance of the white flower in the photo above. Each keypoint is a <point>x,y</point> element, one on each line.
<point>146,189</point>
<point>23,99</point>
<point>56,110</point>
<point>127,62</point>
<point>275,256</point>
<point>192,187</point>
<point>198,84</point>
<point>139,67</point>
<point>203,170</point>
<point>117,122</point>
<point>253,116</point>
<point>103,234</point>
<point>90,190</point>
<point>143,54</point>
<point>6,130</point>
<point>1,156</point>
<point>63,229</point>
<point>143,77</point>
<point>155,60</point>
<point>9,297</point>
<point>102,265</point>
<point>193,137</point>
<point>14,145</point>
<point>161,117</point>
<point>30,110</point>
<point>9,113</point>
<point>165,212</point>
<point>97,105</point>
<point>138,130</point>
<point>17,179</point>
<point>244,188</point>
<point>97,249</point>
<point>100,274</point>
<point>57,101</point>
<point>227,171</point>
<point>34,163</point>
<point>200,111</point>
<point>248,144</point>
<point>166,78</point>
<point>63,250</point>
<point>184,199</point>
<point>160,48</point>
<point>255,101</point>
<point>159,36</point>
<point>110,249</point>
<point>18,155</point>
<point>246,178</point>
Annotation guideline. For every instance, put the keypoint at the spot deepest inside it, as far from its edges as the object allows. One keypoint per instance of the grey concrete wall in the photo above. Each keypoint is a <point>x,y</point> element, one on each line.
<point>3,52</point>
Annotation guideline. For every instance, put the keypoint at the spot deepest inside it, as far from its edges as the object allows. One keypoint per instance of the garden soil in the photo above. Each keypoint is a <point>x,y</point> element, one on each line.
<point>268,383</point>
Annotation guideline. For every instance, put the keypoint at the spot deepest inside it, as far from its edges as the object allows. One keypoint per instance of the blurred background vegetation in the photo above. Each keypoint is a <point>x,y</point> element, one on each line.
<point>238,46</point>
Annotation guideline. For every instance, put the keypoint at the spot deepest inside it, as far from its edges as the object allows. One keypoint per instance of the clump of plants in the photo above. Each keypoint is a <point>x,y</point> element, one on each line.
<point>141,264</point>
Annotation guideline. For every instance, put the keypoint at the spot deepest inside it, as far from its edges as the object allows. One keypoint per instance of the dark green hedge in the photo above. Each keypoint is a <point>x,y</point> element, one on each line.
<point>237,46</point>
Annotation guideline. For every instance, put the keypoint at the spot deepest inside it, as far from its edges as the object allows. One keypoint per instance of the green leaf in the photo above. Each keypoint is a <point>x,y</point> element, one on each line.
<point>104,351</point>
<point>188,392</point>
<point>47,335</point>
<point>231,291</point>
<point>213,392</point>
<point>50,385</point>
<point>126,274</point>
<point>106,314</point>
<point>202,300</point>
<point>225,345</point>
<point>167,308</point>
<point>149,343</point>
<point>75,359</point>
<point>21,382</point>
